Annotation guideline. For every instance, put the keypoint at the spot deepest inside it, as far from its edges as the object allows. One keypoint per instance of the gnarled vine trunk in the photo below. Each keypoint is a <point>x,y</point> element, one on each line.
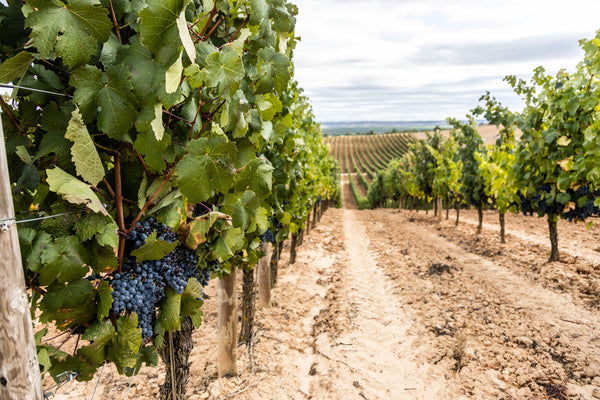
<point>457,204</point>
<point>248,306</point>
<point>177,344</point>
<point>480,214</point>
<point>553,239</point>
<point>293,246</point>
<point>502,227</point>
<point>274,262</point>
<point>447,209</point>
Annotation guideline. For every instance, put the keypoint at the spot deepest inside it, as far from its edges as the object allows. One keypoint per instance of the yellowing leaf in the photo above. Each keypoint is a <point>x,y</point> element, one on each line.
<point>566,164</point>
<point>184,35</point>
<point>157,123</point>
<point>563,141</point>
<point>84,154</point>
<point>173,75</point>
<point>74,190</point>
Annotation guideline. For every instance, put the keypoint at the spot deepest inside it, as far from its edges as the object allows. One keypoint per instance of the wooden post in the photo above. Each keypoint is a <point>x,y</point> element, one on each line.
<point>227,326</point>
<point>19,369</point>
<point>264,277</point>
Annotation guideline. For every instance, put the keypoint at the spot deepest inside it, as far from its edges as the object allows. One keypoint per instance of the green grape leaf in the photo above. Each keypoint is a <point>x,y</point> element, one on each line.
<point>106,96</point>
<point>207,168</point>
<point>256,176</point>
<point>71,30</point>
<point>63,261</point>
<point>268,105</point>
<point>147,355</point>
<point>66,295</point>
<point>154,249</point>
<point>100,334</point>
<point>259,10</point>
<point>233,119</point>
<point>43,359</point>
<point>283,21</point>
<point>95,225</point>
<point>125,346</point>
<point>192,300</point>
<point>32,244</point>
<point>242,208</point>
<point>225,70</point>
<point>105,300</point>
<point>154,151</point>
<point>274,70</point>
<point>228,243</point>
<point>74,190</point>
<point>195,76</point>
<point>147,76</point>
<point>159,30</point>
<point>261,219</point>
<point>267,130</point>
<point>15,67</point>
<point>84,154</point>
<point>170,308</point>
<point>68,304</point>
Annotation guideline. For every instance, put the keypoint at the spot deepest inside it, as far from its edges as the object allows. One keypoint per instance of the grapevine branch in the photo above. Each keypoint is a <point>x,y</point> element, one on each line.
<point>120,214</point>
<point>200,104</point>
<point>214,27</point>
<point>211,15</point>
<point>149,201</point>
<point>114,21</point>
<point>239,29</point>
<point>11,116</point>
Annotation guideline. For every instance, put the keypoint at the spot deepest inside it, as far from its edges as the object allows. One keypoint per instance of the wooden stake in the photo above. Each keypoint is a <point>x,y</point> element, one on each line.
<point>264,278</point>
<point>227,326</point>
<point>19,369</point>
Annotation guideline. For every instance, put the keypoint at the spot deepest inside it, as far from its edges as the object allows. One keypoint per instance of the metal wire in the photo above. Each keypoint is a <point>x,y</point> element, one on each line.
<point>10,86</point>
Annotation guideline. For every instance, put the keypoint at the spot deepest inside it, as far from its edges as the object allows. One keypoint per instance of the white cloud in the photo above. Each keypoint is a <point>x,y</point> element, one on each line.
<point>429,59</point>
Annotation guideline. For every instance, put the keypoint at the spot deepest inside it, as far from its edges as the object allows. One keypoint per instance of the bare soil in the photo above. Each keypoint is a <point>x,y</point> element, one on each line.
<point>386,304</point>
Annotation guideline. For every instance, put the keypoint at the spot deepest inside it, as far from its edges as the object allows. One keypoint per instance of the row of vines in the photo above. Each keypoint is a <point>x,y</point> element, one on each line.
<point>363,156</point>
<point>545,161</point>
<point>152,145</point>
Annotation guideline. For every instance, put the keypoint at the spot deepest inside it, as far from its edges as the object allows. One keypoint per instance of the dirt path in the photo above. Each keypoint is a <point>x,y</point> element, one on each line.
<point>389,305</point>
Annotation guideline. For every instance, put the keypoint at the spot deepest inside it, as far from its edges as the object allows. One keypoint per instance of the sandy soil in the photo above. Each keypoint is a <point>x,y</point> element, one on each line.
<point>400,305</point>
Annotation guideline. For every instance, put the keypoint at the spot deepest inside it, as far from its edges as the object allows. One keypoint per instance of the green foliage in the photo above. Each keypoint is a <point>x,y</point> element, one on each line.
<point>175,103</point>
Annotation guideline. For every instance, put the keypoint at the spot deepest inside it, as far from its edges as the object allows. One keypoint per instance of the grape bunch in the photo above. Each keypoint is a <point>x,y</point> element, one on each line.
<point>141,285</point>
<point>267,237</point>
<point>140,289</point>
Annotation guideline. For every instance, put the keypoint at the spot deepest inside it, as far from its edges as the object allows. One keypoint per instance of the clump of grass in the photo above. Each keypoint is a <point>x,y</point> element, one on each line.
<point>459,350</point>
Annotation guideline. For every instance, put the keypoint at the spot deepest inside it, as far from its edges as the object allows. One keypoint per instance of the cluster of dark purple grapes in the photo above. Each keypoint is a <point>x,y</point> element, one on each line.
<point>588,209</point>
<point>267,237</point>
<point>141,286</point>
<point>276,224</point>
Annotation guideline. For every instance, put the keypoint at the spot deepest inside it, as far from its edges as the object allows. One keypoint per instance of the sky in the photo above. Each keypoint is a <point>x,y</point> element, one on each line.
<point>415,60</point>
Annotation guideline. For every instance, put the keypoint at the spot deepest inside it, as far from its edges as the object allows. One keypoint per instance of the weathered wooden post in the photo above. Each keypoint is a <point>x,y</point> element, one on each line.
<point>19,369</point>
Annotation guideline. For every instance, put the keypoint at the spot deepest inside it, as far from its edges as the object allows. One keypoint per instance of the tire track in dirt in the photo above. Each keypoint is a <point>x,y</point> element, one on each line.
<point>363,334</point>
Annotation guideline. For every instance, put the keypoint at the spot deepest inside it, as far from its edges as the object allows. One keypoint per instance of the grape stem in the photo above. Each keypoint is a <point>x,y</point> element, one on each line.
<point>150,200</point>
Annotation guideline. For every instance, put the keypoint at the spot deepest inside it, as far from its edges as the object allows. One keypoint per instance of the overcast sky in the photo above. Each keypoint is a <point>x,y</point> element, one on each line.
<point>413,60</point>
